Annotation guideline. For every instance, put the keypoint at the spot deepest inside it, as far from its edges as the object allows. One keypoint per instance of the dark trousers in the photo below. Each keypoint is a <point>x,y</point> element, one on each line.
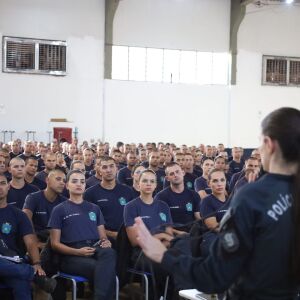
<point>99,269</point>
<point>17,277</point>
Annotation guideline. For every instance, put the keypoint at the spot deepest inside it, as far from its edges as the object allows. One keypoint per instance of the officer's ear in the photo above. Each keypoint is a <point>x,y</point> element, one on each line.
<point>270,145</point>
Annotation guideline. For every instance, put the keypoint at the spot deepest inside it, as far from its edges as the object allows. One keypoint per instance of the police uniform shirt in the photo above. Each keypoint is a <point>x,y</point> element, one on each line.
<point>201,185</point>
<point>198,171</point>
<point>235,177</point>
<point>68,161</point>
<point>41,165</point>
<point>41,208</point>
<point>124,176</point>
<point>111,203</point>
<point>189,179</point>
<point>41,185</point>
<point>155,215</point>
<point>88,169</point>
<point>211,206</point>
<point>17,197</point>
<point>251,254</point>
<point>13,224</point>
<point>93,180</point>
<point>42,175</point>
<point>7,175</point>
<point>160,177</point>
<point>135,193</point>
<point>235,167</point>
<point>77,222</point>
<point>182,205</point>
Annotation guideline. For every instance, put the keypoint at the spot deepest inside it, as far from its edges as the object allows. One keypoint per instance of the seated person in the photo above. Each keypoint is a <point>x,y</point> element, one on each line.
<point>157,217</point>
<point>183,203</point>
<point>77,232</point>
<point>136,171</point>
<point>201,186</point>
<point>213,207</point>
<point>110,196</point>
<point>15,226</point>
<point>38,206</point>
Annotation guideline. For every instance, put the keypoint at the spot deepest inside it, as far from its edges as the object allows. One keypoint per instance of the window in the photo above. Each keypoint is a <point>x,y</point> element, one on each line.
<point>169,65</point>
<point>24,55</point>
<point>281,71</point>
<point>120,62</point>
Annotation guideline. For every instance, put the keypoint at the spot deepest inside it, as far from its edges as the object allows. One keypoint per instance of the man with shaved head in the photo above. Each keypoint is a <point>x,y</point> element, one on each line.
<point>19,188</point>
<point>38,206</point>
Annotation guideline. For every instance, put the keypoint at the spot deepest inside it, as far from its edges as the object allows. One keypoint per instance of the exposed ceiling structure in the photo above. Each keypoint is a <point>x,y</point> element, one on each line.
<point>270,2</point>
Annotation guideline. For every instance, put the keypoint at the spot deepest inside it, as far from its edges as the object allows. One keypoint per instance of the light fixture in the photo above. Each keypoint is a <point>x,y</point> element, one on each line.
<point>289,1</point>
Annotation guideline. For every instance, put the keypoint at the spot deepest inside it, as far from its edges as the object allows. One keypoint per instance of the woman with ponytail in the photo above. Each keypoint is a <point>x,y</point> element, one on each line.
<point>256,255</point>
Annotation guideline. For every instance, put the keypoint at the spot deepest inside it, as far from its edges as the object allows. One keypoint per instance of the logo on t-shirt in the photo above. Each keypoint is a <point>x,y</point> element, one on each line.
<point>92,216</point>
<point>163,216</point>
<point>189,184</point>
<point>122,201</point>
<point>6,228</point>
<point>189,206</point>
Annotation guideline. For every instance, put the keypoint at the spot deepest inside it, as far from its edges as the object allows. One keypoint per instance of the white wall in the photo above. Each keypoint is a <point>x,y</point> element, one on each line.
<point>136,111</point>
<point>28,102</point>
<point>141,112</point>
<point>271,30</point>
<point>174,24</point>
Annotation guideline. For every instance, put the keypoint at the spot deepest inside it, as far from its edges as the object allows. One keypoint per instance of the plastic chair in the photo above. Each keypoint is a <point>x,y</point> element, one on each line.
<point>76,279</point>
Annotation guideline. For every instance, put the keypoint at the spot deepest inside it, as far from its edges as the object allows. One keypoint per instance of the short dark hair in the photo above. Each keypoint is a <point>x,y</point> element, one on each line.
<point>73,172</point>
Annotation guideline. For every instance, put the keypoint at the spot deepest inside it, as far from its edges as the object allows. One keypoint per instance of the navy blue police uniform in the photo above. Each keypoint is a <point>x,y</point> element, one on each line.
<point>79,228</point>
<point>251,256</point>
<point>17,197</point>
<point>124,176</point>
<point>182,206</point>
<point>14,225</point>
<point>202,185</point>
<point>111,203</point>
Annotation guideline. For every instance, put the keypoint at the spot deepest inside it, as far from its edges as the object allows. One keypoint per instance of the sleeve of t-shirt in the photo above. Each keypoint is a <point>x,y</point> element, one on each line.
<point>121,177</point>
<point>199,185</point>
<point>166,183</point>
<point>196,202</point>
<point>205,207</point>
<point>100,218</point>
<point>55,221</point>
<point>29,203</point>
<point>88,195</point>
<point>24,224</point>
<point>130,214</point>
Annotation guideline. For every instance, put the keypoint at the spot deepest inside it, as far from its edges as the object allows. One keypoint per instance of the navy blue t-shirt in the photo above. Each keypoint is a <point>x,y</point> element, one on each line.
<point>41,185</point>
<point>17,197</point>
<point>14,224</point>
<point>42,175</point>
<point>189,179</point>
<point>92,180</point>
<point>156,215</point>
<point>235,167</point>
<point>124,176</point>
<point>160,177</point>
<point>111,203</point>
<point>77,222</point>
<point>201,185</point>
<point>182,205</point>
<point>41,208</point>
<point>210,205</point>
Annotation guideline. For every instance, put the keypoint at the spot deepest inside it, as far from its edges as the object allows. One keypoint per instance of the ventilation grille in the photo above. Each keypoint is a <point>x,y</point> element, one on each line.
<point>281,71</point>
<point>23,55</point>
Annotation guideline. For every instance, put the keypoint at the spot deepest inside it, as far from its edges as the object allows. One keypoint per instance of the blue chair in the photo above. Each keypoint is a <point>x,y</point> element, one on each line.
<point>146,282</point>
<point>76,279</point>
